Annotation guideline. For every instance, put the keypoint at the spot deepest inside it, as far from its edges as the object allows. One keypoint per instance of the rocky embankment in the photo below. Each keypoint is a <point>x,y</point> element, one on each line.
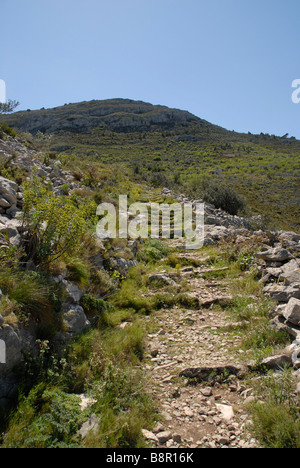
<point>18,338</point>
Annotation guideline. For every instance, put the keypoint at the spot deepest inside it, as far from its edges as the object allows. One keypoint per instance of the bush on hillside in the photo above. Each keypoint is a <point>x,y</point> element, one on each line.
<point>224,197</point>
<point>55,225</point>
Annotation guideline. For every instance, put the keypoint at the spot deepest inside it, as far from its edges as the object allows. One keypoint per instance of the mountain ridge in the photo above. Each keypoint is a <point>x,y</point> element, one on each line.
<point>118,114</point>
<point>172,148</point>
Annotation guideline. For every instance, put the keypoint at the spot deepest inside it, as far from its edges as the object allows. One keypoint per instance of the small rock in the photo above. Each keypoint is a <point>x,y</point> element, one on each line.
<point>223,440</point>
<point>163,437</point>
<point>158,428</point>
<point>86,401</point>
<point>90,425</point>
<point>207,391</point>
<point>188,412</point>
<point>226,412</point>
<point>249,400</point>
<point>149,435</point>
<point>176,393</point>
<point>177,438</point>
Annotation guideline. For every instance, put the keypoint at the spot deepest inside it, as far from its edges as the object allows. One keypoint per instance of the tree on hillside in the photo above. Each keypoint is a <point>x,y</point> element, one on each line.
<point>8,107</point>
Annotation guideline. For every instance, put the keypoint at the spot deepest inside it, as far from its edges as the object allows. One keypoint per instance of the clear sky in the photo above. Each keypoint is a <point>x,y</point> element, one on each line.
<point>231,62</point>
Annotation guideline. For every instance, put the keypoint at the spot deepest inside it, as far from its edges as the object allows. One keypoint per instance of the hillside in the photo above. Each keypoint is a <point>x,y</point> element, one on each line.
<point>124,343</point>
<point>174,148</point>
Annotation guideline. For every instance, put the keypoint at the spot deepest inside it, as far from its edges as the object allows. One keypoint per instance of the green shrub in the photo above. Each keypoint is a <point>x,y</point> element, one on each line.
<point>275,426</point>
<point>47,418</point>
<point>224,197</point>
<point>153,251</point>
<point>33,297</point>
<point>6,130</point>
<point>125,345</point>
<point>125,408</point>
<point>55,225</point>
<point>263,336</point>
<point>78,271</point>
<point>93,305</point>
<point>276,420</point>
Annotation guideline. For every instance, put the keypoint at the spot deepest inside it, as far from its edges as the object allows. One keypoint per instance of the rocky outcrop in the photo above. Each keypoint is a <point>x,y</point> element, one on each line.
<point>115,114</point>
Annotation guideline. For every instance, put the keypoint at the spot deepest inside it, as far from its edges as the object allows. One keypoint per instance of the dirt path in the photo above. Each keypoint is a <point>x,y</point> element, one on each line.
<point>206,414</point>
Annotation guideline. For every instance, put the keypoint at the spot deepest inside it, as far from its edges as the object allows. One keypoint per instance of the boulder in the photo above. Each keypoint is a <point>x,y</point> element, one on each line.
<point>276,292</point>
<point>10,228</point>
<point>75,319</point>
<point>280,323</point>
<point>281,293</point>
<point>275,255</point>
<point>291,272</point>
<point>277,362</point>
<point>161,278</point>
<point>15,342</point>
<point>90,425</point>
<point>8,191</point>
<point>292,311</point>
<point>212,374</point>
<point>74,292</point>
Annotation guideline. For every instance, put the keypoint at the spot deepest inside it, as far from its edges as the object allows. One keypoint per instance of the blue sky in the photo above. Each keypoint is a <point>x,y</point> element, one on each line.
<point>231,62</point>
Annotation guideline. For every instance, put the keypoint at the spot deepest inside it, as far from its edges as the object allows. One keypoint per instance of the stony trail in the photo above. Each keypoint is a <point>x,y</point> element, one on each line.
<point>207,414</point>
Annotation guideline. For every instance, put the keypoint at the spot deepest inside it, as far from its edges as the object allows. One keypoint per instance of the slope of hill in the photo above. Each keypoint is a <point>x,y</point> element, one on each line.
<point>174,148</point>
<point>127,344</point>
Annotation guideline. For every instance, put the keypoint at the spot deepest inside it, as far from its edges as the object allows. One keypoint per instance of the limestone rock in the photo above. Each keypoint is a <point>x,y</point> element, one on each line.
<point>149,435</point>
<point>75,319</point>
<point>74,292</point>
<point>275,255</point>
<point>90,425</point>
<point>296,358</point>
<point>292,311</point>
<point>8,191</point>
<point>226,411</point>
<point>163,437</point>
<point>291,272</point>
<point>277,362</point>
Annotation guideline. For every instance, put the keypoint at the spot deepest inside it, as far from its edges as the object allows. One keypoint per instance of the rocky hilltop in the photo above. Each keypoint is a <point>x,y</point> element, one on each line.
<point>120,115</point>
